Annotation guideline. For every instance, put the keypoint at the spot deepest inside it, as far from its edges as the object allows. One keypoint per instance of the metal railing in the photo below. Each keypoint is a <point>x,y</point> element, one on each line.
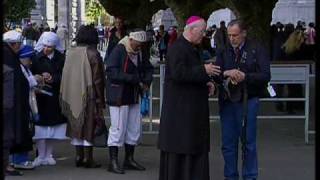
<point>281,73</point>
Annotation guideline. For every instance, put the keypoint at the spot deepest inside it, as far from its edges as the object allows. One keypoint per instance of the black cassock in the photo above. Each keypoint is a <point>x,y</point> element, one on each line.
<point>184,123</point>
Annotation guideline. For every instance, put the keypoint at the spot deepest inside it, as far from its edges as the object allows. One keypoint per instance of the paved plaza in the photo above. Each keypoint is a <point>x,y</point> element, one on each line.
<point>283,155</point>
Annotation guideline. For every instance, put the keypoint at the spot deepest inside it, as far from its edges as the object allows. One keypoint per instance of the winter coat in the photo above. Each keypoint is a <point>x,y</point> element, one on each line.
<point>126,77</point>
<point>20,114</point>
<point>255,63</point>
<point>48,106</point>
<point>8,104</point>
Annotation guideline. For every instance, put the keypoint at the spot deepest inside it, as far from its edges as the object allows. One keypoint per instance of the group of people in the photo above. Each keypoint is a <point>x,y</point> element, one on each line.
<point>34,114</point>
<point>61,94</point>
<point>64,95</point>
<point>240,73</point>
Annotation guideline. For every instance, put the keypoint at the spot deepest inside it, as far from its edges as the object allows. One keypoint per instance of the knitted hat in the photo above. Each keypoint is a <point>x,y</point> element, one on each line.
<point>140,36</point>
<point>26,52</point>
<point>12,36</point>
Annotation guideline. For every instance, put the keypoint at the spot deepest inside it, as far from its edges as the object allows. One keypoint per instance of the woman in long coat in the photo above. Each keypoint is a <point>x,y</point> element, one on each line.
<point>82,94</point>
<point>51,126</point>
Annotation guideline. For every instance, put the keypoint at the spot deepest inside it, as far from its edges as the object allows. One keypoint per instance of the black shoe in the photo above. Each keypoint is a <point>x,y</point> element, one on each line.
<point>129,162</point>
<point>114,167</point>
<point>79,162</point>
<point>88,161</point>
<point>114,164</point>
<point>14,173</point>
<point>79,156</point>
<point>91,164</point>
<point>133,165</point>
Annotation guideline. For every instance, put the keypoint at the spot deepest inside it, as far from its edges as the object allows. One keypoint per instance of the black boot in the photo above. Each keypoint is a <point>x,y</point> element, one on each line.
<point>114,164</point>
<point>88,161</point>
<point>79,156</point>
<point>129,162</point>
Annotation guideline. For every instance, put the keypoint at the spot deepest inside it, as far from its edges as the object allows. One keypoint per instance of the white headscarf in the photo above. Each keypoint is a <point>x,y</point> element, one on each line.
<point>49,39</point>
<point>12,36</point>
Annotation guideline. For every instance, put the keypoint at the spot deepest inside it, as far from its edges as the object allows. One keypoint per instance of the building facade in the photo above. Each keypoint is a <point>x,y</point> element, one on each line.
<point>56,12</point>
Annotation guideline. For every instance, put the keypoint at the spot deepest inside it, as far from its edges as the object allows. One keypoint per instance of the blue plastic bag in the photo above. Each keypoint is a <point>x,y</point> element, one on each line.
<point>144,108</point>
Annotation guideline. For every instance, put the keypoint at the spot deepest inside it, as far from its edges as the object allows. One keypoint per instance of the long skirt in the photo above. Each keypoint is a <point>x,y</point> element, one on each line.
<point>184,166</point>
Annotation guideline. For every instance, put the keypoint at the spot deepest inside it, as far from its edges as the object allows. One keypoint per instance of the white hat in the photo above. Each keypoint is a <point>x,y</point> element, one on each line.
<point>49,39</point>
<point>140,36</point>
<point>12,36</point>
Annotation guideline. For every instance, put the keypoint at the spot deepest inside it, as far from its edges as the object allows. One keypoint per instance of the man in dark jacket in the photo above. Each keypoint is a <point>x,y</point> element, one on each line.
<point>184,123</point>
<point>20,113</point>
<point>128,76</point>
<point>245,65</point>
<point>114,36</point>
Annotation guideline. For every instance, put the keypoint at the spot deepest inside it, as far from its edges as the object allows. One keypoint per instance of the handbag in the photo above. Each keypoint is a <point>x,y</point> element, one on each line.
<point>145,101</point>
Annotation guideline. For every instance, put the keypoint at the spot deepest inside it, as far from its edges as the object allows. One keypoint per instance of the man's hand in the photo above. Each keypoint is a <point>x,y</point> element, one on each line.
<point>212,69</point>
<point>39,79</point>
<point>47,77</point>
<point>235,75</point>
<point>144,87</point>
<point>211,88</point>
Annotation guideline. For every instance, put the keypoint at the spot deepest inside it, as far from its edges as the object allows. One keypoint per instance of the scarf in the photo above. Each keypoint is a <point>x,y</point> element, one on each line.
<point>133,55</point>
<point>125,42</point>
<point>76,88</point>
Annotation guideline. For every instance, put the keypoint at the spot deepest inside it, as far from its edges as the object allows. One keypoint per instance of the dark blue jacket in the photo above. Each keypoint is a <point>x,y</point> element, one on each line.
<point>255,63</point>
<point>122,86</point>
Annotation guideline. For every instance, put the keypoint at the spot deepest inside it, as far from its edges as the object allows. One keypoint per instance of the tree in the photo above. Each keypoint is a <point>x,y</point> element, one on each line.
<point>136,13</point>
<point>256,13</point>
<point>94,10</point>
<point>16,10</point>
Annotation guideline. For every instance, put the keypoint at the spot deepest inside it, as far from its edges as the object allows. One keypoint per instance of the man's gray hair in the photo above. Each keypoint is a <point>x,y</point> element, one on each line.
<point>238,22</point>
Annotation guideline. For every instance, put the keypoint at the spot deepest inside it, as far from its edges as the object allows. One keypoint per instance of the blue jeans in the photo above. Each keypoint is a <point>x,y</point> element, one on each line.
<point>19,158</point>
<point>231,124</point>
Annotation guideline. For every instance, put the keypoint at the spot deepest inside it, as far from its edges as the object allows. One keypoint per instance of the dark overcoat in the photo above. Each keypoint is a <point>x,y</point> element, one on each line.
<point>8,104</point>
<point>184,121</point>
<point>22,137</point>
<point>48,106</point>
<point>127,75</point>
